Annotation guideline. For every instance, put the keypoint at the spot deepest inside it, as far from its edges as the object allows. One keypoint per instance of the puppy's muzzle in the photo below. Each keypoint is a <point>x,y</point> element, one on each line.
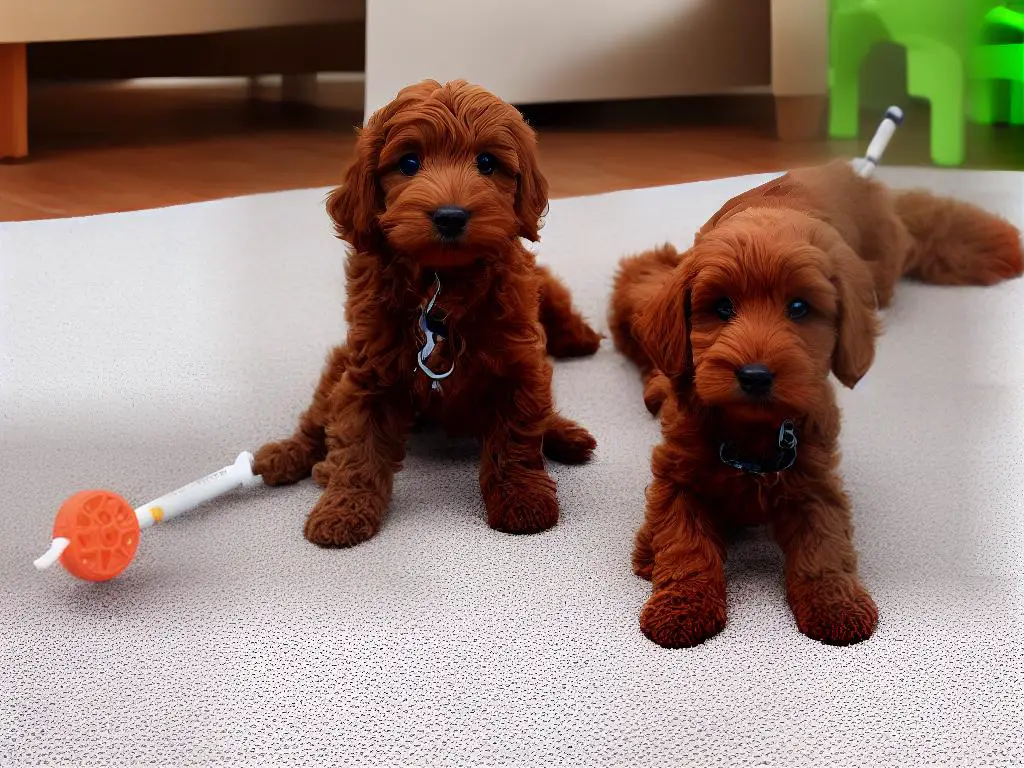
<point>450,221</point>
<point>755,379</point>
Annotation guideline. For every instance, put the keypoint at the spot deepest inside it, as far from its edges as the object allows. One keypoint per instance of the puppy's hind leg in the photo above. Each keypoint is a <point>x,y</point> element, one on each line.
<point>643,553</point>
<point>290,460</point>
<point>568,333</point>
<point>657,389</point>
<point>567,442</point>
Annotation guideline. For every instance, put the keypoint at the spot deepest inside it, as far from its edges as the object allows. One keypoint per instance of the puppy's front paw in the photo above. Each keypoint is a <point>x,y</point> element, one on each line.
<point>285,461</point>
<point>836,612</point>
<point>524,503</point>
<point>344,519</point>
<point>685,614</point>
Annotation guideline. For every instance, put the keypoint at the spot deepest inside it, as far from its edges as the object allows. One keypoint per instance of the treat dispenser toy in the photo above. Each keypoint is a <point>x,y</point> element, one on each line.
<point>96,533</point>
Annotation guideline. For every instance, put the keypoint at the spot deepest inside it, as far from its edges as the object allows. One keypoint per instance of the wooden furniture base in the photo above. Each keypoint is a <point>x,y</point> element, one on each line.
<point>13,101</point>
<point>800,118</point>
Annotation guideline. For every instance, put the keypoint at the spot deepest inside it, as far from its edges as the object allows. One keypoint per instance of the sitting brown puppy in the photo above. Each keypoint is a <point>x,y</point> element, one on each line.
<point>735,339</point>
<point>450,320</point>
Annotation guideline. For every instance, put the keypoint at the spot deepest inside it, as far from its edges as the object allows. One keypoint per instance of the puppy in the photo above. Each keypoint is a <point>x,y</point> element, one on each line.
<point>735,339</point>
<point>444,184</point>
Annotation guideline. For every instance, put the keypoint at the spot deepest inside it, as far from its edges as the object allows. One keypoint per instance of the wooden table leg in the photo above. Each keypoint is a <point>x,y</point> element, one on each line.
<point>800,118</point>
<point>13,101</point>
<point>799,32</point>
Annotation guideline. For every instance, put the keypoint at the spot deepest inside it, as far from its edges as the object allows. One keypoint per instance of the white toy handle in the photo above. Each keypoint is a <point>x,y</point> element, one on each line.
<point>186,498</point>
<point>865,166</point>
<point>52,555</point>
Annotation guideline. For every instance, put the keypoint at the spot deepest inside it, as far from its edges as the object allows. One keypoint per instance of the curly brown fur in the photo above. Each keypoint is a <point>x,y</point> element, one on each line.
<point>835,241</point>
<point>503,314</point>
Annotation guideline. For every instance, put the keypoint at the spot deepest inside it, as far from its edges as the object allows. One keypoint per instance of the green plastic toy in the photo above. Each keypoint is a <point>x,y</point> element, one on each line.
<point>938,35</point>
<point>997,69</point>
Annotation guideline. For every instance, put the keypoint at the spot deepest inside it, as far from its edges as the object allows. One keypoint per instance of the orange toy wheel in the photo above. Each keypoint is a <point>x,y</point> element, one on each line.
<point>103,531</point>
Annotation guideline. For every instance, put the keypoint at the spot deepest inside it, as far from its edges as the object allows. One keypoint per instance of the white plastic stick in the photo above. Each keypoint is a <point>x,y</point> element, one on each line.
<point>865,166</point>
<point>237,475</point>
<point>52,555</point>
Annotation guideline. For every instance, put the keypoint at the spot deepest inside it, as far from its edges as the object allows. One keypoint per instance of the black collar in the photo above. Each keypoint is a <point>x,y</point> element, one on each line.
<point>783,458</point>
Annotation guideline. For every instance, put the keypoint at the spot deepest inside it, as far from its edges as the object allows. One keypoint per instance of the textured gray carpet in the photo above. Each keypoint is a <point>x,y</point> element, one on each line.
<point>141,351</point>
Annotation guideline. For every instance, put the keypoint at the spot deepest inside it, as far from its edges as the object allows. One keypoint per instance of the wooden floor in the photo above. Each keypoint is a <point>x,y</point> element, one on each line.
<point>103,149</point>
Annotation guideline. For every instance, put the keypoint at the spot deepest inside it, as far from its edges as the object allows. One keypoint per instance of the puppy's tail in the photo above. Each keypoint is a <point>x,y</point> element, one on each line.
<point>955,243</point>
<point>638,280</point>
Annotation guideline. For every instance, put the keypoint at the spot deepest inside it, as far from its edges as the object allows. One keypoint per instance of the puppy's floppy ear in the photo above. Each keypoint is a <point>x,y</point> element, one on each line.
<point>532,188</point>
<point>354,205</point>
<point>663,327</point>
<point>857,316</point>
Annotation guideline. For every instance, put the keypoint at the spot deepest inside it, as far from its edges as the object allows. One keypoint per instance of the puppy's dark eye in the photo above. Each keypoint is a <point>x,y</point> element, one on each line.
<point>409,164</point>
<point>798,309</point>
<point>486,163</point>
<point>724,309</point>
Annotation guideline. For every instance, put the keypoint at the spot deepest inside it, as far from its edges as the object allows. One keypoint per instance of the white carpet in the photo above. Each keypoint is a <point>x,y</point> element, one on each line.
<point>140,351</point>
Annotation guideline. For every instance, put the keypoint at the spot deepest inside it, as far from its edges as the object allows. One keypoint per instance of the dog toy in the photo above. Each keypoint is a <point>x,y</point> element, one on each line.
<point>96,533</point>
<point>865,166</point>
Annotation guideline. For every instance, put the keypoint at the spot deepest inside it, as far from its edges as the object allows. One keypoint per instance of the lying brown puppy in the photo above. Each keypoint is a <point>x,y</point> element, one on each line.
<point>735,339</point>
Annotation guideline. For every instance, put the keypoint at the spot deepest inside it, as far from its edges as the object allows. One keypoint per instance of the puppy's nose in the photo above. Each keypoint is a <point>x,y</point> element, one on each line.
<point>449,220</point>
<point>755,379</point>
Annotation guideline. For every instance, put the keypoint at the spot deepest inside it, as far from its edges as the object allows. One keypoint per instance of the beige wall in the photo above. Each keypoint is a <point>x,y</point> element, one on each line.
<point>800,57</point>
<point>799,47</point>
<point>27,21</point>
<point>564,50</point>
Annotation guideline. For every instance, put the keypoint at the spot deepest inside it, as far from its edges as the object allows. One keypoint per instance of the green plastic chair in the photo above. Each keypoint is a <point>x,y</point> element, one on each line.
<point>997,69</point>
<point>937,35</point>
